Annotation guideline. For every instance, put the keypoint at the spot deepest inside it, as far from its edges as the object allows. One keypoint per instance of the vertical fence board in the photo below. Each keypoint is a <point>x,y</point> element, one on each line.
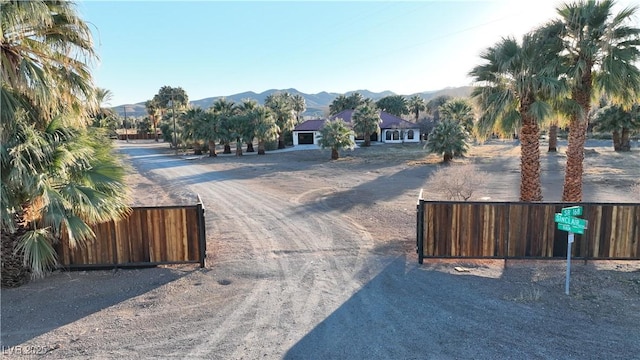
<point>148,235</point>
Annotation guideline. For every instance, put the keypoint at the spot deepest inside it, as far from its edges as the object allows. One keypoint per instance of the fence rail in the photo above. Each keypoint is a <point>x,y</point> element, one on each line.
<point>524,230</point>
<point>148,236</point>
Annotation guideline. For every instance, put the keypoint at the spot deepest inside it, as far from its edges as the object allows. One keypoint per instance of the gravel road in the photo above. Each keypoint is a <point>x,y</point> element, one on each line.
<point>291,274</point>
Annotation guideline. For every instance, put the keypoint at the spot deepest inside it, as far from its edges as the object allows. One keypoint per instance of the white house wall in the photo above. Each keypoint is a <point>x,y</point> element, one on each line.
<point>401,139</point>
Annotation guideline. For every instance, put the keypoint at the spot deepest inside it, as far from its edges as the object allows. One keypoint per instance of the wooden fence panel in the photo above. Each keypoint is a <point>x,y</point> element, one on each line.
<point>525,230</point>
<point>148,236</point>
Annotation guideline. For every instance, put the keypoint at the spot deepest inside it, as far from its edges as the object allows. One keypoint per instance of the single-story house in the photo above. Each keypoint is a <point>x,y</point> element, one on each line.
<point>393,129</point>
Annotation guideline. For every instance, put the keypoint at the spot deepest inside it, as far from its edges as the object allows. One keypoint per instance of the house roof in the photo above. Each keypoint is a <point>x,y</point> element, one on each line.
<point>310,125</point>
<point>389,121</point>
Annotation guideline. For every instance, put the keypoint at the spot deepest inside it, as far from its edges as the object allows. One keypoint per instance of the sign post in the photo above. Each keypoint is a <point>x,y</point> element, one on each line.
<point>567,221</point>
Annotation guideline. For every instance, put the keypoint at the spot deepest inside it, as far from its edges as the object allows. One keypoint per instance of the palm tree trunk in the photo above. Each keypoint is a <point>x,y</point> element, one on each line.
<point>334,154</point>
<point>261,146</point>
<point>250,146</point>
<point>227,148</point>
<point>553,137</point>
<point>212,149</point>
<point>238,147</point>
<point>572,188</point>
<point>367,140</point>
<point>281,140</point>
<point>14,273</point>
<point>625,140</point>
<point>617,141</point>
<point>447,157</point>
<point>530,188</point>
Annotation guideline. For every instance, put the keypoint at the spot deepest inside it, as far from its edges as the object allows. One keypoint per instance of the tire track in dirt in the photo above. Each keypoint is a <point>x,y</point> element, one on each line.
<point>301,259</point>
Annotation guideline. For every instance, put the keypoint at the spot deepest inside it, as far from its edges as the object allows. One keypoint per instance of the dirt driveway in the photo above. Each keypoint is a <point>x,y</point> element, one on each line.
<point>312,259</point>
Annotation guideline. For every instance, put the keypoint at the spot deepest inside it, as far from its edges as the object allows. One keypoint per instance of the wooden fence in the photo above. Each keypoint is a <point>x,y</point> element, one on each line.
<point>148,236</point>
<point>524,230</point>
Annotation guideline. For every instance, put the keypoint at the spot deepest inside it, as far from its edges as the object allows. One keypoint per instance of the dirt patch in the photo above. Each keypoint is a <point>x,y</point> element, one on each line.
<point>311,258</point>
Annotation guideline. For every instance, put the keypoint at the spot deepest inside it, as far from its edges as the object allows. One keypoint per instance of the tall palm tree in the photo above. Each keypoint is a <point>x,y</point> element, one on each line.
<point>224,110</point>
<point>282,108</point>
<point>299,105</point>
<point>394,104</point>
<point>245,108</point>
<point>513,83</point>
<point>153,109</point>
<point>58,177</point>
<point>600,50</point>
<point>433,106</point>
<point>416,104</point>
<point>460,111</point>
<point>340,103</point>
<point>366,121</point>
<point>336,135</point>
<point>265,126</point>
<point>45,52</point>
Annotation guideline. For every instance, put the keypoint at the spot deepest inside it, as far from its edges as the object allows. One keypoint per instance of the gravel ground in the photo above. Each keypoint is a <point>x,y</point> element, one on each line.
<point>313,259</point>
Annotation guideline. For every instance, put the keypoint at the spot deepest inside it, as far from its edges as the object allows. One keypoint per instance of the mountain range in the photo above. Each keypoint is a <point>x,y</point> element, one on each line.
<point>317,104</point>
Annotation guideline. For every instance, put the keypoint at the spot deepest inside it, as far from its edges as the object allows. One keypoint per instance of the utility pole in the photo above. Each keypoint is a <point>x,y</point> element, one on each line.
<point>173,115</point>
<point>126,134</point>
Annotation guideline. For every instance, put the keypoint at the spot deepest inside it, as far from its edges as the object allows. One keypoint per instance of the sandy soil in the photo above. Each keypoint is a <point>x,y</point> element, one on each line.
<point>315,259</point>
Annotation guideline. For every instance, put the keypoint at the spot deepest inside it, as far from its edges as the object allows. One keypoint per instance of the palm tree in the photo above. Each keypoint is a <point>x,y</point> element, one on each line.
<point>246,107</point>
<point>57,176</point>
<point>282,108</point>
<point>433,106</point>
<point>55,181</point>
<point>299,105</point>
<point>338,105</point>
<point>336,135</point>
<point>620,122</point>
<point>416,104</point>
<point>448,139</point>
<point>153,108</point>
<point>224,110</point>
<point>513,83</point>
<point>601,51</point>
<point>460,111</point>
<point>45,52</point>
<point>265,127</point>
<point>394,104</point>
<point>366,121</point>
<point>192,121</point>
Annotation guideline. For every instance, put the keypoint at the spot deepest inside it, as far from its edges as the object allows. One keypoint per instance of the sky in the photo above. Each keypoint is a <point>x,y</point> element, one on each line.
<point>217,48</point>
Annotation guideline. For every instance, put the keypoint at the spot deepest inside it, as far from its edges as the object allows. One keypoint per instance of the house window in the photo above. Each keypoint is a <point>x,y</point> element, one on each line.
<point>388,135</point>
<point>396,135</point>
<point>410,135</point>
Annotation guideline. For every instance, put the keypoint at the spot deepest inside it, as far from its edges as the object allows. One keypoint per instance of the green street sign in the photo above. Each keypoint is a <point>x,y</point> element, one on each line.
<point>572,211</point>
<point>572,229</point>
<point>571,221</point>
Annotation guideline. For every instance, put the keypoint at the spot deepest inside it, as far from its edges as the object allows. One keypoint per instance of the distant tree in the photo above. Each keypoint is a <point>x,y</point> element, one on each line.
<point>433,106</point>
<point>224,111</point>
<point>245,108</point>
<point>415,105</point>
<point>366,121</point>
<point>338,105</point>
<point>192,121</point>
<point>460,111</point>
<point>264,124</point>
<point>394,104</point>
<point>174,99</point>
<point>620,123</point>
<point>354,100</point>
<point>448,139</point>
<point>282,108</point>
<point>336,135</point>
<point>299,106</point>
<point>153,109</point>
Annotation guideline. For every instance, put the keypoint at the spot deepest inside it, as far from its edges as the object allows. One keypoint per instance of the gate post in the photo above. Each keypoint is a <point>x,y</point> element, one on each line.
<point>420,228</point>
<point>202,237</point>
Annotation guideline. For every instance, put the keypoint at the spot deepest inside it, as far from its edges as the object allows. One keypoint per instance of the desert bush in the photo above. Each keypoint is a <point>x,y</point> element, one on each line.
<point>456,182</point>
